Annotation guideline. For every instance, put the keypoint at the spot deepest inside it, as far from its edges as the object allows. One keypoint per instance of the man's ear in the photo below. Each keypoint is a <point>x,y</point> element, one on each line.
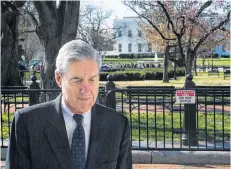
<point>58,79</point>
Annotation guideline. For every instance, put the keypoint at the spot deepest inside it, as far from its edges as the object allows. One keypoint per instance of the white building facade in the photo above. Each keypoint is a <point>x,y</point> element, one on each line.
<point>130,37</point>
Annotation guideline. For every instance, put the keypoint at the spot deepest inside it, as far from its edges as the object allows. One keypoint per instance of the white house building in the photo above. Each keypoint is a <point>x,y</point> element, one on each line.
<point>132,40</point>
<point>130,37</point>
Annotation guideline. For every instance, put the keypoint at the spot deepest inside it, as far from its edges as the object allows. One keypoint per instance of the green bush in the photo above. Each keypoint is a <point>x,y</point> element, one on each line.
<point>111,56</point>
<point>135,75</point>
<point>138,55</point>
<point>215,55</point>
<point>225,56</point>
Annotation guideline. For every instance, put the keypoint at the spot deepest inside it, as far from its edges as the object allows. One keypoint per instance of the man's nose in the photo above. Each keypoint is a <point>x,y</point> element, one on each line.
<point>84,89</point>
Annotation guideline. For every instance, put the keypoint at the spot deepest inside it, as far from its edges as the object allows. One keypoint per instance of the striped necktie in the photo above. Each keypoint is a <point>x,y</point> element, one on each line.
<point>78,144</point>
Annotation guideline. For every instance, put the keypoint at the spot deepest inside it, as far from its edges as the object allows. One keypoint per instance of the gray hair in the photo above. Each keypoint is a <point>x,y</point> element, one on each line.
<point>75,50</point>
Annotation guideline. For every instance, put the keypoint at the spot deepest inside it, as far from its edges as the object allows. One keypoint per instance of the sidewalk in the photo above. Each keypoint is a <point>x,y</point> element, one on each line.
<point>166,166</point>
<point>179,166</point>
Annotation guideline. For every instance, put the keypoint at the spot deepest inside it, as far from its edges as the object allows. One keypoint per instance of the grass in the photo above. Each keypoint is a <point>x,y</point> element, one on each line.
<point>27,75</point>
<point>19,99</point>
<point>160,129</point>
<point>201,80</point>
<point>5,125</point>
<point>215,61</point>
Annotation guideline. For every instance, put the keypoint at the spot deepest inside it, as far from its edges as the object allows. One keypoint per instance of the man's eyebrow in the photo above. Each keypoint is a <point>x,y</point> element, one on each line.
<point>93,76</point>
<point>75,78</point>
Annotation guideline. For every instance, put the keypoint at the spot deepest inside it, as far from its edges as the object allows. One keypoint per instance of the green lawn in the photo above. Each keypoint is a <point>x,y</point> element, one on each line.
<point>201,80</point>
<point>5,125</point>
<point>19,99</point>
<point>215,61</point>
<point>27,75</point>
<point>157,126</point>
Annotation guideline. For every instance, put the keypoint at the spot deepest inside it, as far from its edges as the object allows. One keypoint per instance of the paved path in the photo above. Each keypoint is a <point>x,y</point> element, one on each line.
<point>166,166</point>
<point>175,166</point>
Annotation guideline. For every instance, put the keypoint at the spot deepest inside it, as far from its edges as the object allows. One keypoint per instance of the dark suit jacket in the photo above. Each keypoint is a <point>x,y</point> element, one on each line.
<point>39,139</point>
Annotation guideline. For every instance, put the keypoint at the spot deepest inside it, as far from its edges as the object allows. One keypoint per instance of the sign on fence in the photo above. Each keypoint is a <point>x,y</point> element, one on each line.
<point>185,96</point>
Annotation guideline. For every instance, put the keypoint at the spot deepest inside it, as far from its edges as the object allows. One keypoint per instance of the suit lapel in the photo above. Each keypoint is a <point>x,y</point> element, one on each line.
<point>57,135</point>
<point>96,138</point>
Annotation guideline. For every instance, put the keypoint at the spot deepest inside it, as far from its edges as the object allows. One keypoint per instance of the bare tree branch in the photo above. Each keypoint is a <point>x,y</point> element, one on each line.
<point>169,19</point>
<point>203,7</point>
<point>222,23</point>
<point>149,21</point>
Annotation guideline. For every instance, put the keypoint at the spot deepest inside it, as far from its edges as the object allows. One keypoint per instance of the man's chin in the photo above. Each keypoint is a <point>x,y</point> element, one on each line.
<point>85,108</point>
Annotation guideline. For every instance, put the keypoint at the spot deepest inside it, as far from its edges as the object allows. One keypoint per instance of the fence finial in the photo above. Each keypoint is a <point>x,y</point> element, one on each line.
<point>110,100</point>
<point>34,96</point>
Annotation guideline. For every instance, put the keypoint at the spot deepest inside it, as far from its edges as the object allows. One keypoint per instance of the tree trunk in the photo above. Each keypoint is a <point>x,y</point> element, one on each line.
<point>57,27</point>
<point>10,57</point>
<point>195,65</point>
<point>48,76</point>
<point>188,64</point>
<point>165,67</point>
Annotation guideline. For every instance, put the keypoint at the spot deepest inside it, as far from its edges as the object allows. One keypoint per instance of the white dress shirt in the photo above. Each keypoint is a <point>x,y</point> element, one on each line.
<point>71,124</point>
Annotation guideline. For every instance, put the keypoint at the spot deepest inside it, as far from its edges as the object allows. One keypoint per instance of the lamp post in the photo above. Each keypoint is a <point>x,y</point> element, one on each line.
<point>212,60</point>
<point>175,65</point>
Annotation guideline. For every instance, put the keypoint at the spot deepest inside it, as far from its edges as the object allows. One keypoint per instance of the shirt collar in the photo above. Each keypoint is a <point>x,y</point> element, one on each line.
<point>86,115</point>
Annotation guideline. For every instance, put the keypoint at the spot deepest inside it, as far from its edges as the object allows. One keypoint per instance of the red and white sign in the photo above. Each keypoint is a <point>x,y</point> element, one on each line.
<point>185,96</point>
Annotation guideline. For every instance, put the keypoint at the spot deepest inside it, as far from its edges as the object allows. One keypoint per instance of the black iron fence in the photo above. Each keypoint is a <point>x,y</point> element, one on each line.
<point>157,121</point>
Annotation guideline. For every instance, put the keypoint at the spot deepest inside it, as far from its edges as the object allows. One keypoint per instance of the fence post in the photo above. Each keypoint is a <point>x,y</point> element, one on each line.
<point>110,100</point>
<point>34,96</point>
<point>189,138</point>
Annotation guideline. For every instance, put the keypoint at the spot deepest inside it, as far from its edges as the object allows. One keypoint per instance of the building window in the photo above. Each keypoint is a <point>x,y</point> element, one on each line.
<point>139,33</point>
<point>130,33</point>
<point>120,47</point>
<point>139,47</point>
<point>119,33</point>
<point>149,47</point>
<point>129,47</point>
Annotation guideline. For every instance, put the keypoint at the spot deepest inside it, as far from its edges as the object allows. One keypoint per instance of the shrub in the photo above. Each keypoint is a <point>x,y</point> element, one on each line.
<point>135,75</point>
<point>137,55</point>
<point>111,56</point>
<point>225,56</point>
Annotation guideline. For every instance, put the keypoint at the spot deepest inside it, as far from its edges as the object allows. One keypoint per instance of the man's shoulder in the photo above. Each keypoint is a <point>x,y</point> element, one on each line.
<point>36,108</point>
<point>110,112</point>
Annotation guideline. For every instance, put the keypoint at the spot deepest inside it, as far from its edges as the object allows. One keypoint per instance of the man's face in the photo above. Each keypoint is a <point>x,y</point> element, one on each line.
<point>80,85</point>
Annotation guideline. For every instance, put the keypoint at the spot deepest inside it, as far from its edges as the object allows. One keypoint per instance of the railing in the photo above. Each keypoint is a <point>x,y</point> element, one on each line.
<point>156,121</point>
<point>16,99</point>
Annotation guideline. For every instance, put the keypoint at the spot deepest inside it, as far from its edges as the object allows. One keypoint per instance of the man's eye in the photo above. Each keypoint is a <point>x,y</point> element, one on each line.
<point>76,81</point>
<point>92,80</point>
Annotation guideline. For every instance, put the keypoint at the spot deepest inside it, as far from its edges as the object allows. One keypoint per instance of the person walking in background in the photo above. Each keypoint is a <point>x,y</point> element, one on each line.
<point>41,66</point>
<point>72,131</point>
<point>21,69</point>
<point>33,70</point>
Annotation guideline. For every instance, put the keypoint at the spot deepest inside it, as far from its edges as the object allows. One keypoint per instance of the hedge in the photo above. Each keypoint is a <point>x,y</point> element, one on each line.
<point>225,56</point>
<point>138,75</point>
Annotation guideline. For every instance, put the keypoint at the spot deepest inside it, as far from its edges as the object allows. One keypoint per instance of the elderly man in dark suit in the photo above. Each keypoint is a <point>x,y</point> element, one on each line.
<point>72,131</point>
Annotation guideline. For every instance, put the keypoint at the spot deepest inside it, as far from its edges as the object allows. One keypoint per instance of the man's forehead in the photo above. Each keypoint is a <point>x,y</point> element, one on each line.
<point>79,75</point>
